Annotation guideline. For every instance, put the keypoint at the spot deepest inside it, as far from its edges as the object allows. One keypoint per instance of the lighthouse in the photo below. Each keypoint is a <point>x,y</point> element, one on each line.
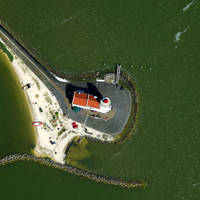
<point>89,102</point>
<point>105,105</point>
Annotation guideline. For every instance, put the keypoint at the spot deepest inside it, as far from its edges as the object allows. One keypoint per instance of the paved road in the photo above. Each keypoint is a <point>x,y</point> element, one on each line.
<point>47,78</point>
<point>121,99</point>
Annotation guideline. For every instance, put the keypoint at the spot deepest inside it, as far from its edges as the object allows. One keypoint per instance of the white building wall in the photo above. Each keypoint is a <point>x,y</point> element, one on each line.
<point>102,109</point>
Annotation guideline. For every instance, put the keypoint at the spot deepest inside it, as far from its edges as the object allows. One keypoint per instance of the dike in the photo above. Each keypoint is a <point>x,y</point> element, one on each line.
<point>126,81</point>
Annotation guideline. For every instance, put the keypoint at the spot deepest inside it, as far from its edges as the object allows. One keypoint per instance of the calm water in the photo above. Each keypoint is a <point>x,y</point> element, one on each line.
<point>158,44</point>
<point>17,134</point>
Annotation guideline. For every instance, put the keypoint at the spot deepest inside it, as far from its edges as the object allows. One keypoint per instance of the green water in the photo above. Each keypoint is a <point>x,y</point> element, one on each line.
<point>76,36</point>
<point>17,135</point>
<point>40,182</point>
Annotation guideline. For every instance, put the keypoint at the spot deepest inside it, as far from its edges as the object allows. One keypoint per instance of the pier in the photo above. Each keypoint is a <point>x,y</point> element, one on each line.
<point>117,76</point>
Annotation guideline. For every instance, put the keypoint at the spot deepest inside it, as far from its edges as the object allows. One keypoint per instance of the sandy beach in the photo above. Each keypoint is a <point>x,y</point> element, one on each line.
<point>56,131</point>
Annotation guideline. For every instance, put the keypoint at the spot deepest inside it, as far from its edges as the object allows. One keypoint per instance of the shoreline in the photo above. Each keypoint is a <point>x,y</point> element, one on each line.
<point>25,97</point>
<point>49,143</point>
<point>41,153</point>
<point>49,73</point>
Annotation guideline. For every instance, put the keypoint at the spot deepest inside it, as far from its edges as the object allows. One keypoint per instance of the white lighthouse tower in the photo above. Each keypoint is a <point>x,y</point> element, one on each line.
<point>105,105</point>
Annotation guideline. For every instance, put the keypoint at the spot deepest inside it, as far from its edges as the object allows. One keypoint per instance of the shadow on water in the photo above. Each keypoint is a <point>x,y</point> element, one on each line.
<point>91,89</point>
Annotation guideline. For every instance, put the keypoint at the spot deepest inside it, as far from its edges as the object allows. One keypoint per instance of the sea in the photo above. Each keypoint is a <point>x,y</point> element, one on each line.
<point>157,43</point>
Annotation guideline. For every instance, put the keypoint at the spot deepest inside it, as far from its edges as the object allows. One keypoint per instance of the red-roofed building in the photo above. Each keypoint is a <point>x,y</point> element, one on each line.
<point>80,98</point>
<point>90,102</point>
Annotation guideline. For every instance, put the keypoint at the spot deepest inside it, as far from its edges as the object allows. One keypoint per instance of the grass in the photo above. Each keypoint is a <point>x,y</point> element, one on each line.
<point>54,119</point>
<point>127,82</point>
<point>165,91</point>
<point>5,50</point>
<point>61,131</point>
<point>47,98</point>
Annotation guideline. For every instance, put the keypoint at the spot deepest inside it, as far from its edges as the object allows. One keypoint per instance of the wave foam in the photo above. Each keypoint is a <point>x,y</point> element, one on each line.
<point>188,6</point>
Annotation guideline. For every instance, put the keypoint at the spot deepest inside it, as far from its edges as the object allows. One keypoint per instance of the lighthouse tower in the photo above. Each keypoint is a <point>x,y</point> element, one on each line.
<point>105,105</point>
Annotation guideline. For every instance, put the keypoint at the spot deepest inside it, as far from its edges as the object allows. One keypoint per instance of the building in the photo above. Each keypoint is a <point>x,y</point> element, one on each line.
<point>90,102</point>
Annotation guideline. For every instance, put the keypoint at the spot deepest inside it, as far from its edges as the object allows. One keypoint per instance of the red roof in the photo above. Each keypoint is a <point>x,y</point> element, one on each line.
<point>92,102</point>
<point>83,99</point>
<point>80,98</point>
<point>105,100</point>
<point>74,125</point>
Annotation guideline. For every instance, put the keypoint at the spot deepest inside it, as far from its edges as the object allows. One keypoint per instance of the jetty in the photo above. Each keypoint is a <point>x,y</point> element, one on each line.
<point>117,76</point>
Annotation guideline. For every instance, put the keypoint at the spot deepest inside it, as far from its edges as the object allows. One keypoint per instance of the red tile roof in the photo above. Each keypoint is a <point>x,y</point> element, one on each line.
<point>80,98</point>
<point>92,102</point>
<point>83,99</point>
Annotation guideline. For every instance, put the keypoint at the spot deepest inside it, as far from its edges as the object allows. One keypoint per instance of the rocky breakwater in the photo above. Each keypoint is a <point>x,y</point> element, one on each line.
<point>73,170</point>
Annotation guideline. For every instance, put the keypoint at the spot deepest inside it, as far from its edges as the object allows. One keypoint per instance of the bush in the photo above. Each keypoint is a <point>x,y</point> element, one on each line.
<point>5,50</point>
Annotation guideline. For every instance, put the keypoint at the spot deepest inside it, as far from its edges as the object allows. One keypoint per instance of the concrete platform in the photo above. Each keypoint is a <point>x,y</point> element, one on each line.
<point>120,98</point>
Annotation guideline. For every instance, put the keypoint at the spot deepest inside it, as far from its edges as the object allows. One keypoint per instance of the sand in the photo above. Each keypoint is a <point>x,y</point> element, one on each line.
<point>56,133</point>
